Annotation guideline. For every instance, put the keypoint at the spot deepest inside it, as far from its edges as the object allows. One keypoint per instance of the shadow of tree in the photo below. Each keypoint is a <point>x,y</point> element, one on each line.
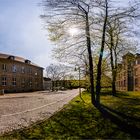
<point>121,120</point>
<point>122,115</point>
<point>118,94</point>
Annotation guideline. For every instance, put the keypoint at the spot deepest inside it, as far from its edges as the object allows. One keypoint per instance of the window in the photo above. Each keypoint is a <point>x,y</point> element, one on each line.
<point>22,69</point>
<point>14,81</point>
<point>124,66</point>
<point>124,83</point>
<point>30,82</point>
<point>136,82</point>
<point>4,67</point>
<point>36,82</point>
<point>136,71</point>
<point>124,74</point>
<point>117,84</point>
<point>23,83</point>
<point>121,83</point>
<point>30,70</point>
<point>4,81</point>
<point>137,61</point>
<point>36,73</point>
<point>14,68</point>
<point>119,76</point>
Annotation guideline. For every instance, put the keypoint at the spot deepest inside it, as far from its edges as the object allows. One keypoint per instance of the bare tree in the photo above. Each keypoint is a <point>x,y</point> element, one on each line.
<point>55,72</point>
<point>65,13</point>
<point>58,73</point>
<point>93,20</point>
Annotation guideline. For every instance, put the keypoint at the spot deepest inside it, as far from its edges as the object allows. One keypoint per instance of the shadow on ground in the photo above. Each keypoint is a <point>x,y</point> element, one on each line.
<point>117,118</point>
<point>123,110</point>
<point>125,123</point>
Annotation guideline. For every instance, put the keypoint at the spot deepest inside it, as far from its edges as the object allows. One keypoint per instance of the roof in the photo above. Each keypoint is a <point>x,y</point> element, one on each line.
<point>17,58</point>
<point>128,55</point>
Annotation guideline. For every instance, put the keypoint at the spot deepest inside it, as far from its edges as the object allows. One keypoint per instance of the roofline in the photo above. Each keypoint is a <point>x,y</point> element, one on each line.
<point>18,59</point>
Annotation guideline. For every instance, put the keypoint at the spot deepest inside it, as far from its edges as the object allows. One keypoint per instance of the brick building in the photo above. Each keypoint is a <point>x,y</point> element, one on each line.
<point>128,75</point>
<point>19,75</point>
<point>137,73</point>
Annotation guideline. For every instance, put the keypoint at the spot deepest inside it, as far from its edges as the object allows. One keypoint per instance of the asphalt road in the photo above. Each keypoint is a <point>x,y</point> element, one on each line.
<point>23,109</point>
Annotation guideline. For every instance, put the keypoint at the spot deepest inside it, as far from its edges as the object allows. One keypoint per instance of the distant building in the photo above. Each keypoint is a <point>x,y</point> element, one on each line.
<point>19,75</point>
<point>47,83</point>
<point>128,74</point>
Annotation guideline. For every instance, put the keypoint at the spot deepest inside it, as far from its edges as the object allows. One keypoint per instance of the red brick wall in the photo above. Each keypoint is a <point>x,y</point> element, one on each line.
<point>131,68</point>
<point>137,77</point>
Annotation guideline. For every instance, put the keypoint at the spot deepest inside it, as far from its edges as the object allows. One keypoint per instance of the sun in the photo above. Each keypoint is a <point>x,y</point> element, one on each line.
<point>73,31</point>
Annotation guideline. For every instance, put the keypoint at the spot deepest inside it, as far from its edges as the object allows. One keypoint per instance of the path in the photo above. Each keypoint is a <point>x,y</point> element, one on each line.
<point>22,109</point>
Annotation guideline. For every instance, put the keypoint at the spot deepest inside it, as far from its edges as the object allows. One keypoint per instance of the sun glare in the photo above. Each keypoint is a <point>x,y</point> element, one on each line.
<point>73,31</point>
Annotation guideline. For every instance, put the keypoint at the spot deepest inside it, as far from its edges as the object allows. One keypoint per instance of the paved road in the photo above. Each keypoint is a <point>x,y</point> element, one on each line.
<point>22,109</point>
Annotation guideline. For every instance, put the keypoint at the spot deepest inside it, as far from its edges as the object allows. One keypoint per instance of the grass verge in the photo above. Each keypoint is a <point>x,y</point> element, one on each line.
<point>118,118</point>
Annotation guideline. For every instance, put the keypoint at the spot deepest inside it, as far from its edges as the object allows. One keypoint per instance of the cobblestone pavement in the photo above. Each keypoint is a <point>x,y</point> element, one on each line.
<point>22,109</point>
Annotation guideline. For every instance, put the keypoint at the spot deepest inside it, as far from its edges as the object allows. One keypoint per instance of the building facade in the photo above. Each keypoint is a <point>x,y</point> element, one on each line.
<point>128,73</point>
<point>137,74</point>
<point>19,75</point>
<point>47,84</point>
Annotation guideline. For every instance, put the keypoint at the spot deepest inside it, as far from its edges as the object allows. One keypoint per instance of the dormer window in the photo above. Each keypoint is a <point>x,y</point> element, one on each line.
<point>11,57</point>
<point>27,61</point>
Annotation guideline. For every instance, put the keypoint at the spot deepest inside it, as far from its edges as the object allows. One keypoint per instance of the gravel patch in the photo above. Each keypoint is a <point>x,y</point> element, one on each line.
<point>23,109</point>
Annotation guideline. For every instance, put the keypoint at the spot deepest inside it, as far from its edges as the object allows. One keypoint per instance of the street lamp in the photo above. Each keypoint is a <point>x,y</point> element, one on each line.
<point>79,78</point>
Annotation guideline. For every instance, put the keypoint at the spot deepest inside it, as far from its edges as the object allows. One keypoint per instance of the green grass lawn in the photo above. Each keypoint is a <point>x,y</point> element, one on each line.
<point>118,117</point>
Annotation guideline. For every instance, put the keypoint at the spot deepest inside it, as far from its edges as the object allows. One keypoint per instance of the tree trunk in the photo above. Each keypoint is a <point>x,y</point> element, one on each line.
<point>99,66</point>
<point>90,61</point>
<point>112,64</point>
<point>115,72</point>
<point>114,83</point>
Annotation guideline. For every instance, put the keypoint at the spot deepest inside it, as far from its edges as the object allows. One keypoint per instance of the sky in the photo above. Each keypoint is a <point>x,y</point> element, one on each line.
<point>22,33</point>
